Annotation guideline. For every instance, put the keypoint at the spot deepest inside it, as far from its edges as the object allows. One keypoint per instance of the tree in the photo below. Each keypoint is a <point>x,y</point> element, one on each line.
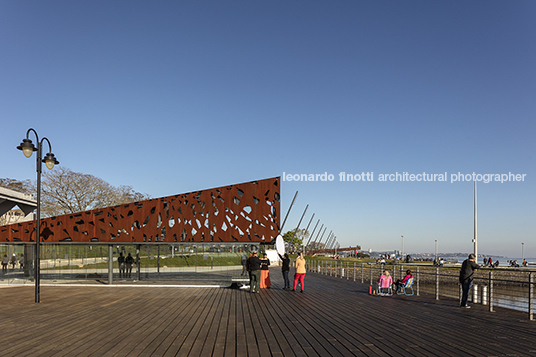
<point>298,238</point>
<point>65,191</point>
<point>316,246</point>
<point>25,186</point>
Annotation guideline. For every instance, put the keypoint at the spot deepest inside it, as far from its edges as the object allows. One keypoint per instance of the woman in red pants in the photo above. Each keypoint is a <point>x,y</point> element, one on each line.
<point>299,264</point>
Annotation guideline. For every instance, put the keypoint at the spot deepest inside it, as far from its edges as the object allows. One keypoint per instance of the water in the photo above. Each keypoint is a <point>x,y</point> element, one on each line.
<point>503,262</point>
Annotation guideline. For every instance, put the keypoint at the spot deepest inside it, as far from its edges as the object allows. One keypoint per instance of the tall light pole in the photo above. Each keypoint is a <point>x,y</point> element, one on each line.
<point>436,248</point>
<point>522,252</point>
<point>28,148</point>
<point>475,235</point>
<point>402,255</point>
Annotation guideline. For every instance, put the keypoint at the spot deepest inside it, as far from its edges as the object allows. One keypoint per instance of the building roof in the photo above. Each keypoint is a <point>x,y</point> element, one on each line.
<point>10,199</point>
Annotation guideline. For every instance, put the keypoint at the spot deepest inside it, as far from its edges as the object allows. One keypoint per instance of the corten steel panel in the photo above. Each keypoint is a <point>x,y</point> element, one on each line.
<point>245,212</point>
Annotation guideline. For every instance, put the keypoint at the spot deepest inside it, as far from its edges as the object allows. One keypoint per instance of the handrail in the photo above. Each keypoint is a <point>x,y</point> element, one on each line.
<point>511,288</point>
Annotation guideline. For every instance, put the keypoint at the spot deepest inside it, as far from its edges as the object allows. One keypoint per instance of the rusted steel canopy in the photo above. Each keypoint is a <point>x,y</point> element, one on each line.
<point>245,212</point>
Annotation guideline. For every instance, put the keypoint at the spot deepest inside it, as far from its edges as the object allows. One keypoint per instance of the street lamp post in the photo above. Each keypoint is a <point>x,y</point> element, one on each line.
<point>402,255</point>
<point>475,226</point>
<point>28,148</point>
<point>436,248</point>
<point>522,252</point>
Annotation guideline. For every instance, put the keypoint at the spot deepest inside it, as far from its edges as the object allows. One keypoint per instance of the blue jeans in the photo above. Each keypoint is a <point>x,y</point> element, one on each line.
<point>285,277</point>
<point>466,288</point>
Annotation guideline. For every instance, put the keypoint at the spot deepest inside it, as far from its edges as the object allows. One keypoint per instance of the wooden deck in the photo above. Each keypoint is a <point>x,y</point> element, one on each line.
<point>334,317</point>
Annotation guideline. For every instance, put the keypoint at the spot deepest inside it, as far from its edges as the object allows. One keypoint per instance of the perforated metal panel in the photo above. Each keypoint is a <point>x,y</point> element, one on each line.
<point>245,212</point>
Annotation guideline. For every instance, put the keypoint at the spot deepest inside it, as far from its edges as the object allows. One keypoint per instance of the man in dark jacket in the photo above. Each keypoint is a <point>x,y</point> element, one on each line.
<point>254,266</point>
<point>467,271</point>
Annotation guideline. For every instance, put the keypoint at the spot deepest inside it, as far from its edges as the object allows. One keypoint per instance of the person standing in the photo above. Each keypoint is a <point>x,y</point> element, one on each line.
<point>121,262</point>
<point>467,271</point>
<point>244,268</point>
<point>285,268</point>
<point>128,263</point>
<point>13,261</point>
<point>299,264</point>
<point>265,272</point>
<point>5,262</point>
<point>254,266</point>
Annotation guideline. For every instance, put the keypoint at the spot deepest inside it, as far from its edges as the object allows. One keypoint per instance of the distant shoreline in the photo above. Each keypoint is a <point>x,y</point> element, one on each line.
<point>460,257</point>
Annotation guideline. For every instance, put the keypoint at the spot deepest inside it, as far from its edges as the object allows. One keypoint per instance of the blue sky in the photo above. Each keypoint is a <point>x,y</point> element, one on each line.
<point>175,96</point>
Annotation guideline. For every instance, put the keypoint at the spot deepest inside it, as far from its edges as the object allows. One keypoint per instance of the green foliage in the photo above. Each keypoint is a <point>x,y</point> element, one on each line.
<point>297,239</point>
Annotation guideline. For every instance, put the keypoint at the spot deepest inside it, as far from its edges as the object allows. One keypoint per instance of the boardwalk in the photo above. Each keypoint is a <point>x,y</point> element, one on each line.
<point>334,317</point>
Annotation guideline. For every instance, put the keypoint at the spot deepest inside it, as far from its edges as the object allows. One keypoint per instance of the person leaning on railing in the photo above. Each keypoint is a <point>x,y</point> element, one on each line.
<point>467,271</point>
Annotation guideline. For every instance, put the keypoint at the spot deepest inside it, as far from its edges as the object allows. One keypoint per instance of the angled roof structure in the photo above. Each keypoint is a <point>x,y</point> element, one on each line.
<point>245,212</point>
<point>10,199</point>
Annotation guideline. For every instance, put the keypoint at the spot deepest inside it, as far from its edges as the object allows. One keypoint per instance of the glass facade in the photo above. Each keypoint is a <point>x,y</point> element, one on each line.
<point>179,263</point>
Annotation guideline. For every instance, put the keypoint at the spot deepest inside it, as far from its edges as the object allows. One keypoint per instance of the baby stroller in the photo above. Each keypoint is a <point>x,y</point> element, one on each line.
<point>385,285</point>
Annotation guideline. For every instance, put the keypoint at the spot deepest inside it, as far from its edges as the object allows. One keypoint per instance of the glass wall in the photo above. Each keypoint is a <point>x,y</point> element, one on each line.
<point>200,263</point>
<point>17,265</point>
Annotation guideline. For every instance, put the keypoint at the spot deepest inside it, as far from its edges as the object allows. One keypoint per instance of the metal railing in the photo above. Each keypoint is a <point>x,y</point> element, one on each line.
<point>511,288</point>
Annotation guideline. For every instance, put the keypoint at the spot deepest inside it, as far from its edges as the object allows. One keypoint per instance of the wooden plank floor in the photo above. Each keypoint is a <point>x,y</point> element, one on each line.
<point>334,317</point>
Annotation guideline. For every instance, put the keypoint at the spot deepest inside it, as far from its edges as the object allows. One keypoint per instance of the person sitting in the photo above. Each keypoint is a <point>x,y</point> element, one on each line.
<point>384,283</point>
<point>514,264</point>
<point>402,282</point>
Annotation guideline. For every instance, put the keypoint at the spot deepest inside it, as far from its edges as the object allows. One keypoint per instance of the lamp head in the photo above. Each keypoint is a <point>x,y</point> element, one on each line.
<point>50,160</point>
<point>27,147</point>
